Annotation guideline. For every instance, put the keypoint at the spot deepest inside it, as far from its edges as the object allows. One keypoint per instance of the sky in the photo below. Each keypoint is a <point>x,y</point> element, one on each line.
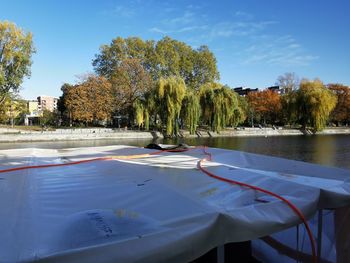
<point>254,41</point>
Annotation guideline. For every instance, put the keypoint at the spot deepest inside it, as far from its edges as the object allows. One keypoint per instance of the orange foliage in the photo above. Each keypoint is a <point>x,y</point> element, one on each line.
<point>267,103</point>
<point>90,101</point>
<point>341,112</point>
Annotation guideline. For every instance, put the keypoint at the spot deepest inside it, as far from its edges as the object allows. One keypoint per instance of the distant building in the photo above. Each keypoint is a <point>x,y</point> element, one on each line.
<point>47,103</point>
<point>35,108</point>
<point>244,91</point>
<point>276,89</point>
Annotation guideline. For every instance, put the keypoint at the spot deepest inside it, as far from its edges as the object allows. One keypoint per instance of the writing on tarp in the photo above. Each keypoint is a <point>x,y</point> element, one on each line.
<point>100,224</point>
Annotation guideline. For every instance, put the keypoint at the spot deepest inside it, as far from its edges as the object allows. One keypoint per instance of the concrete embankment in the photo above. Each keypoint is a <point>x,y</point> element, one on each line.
<point>15,135</point>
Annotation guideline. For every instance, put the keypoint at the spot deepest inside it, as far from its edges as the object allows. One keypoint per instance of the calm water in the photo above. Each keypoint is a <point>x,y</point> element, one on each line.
<point>331,150</point>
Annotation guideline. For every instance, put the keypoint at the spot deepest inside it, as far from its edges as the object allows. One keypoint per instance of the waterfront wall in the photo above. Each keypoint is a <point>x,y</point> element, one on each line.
<point>15,135</point>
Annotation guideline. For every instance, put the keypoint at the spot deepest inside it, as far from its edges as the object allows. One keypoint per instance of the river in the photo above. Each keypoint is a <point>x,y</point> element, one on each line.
<point>329,150</point>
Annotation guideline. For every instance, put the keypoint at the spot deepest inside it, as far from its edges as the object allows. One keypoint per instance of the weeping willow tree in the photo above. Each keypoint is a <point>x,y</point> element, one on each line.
<point>225,104</point>
<point>191,110</point>
<point>206,95</point>
<point>219,104</point>
<point>171,92</point>
<point>150,107</point>
<point>315,103</point>
<point>139,112</point>
<point>240,113</point>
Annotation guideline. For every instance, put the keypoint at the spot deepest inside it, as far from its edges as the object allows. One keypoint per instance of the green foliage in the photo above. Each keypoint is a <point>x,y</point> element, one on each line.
<point>139,113</point>
<point>218,104</point>
<point>61,107</point>
<point>129,83</point>
<point>12,110</point>
<point>16,48</point>
<point>191,110</point>
<point>241,112</point>
<point>171,92</point>
<point>165,58</point>
<point>315,103</point>
<point>49,118</point>
<point>289,103</point>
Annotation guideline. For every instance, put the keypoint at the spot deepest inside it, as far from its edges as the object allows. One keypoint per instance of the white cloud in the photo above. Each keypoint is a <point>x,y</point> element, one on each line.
<point>179,30</point>
<point>281,51</point>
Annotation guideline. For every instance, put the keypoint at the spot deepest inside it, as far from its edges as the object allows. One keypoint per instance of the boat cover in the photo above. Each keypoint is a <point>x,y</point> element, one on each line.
<point>153,208</point>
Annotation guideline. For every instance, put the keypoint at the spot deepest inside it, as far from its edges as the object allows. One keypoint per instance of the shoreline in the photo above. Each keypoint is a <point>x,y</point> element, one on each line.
<point>12,135</point>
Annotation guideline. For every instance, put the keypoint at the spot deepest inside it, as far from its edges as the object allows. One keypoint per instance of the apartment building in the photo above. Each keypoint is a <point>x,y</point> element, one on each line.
<point>47,103</point>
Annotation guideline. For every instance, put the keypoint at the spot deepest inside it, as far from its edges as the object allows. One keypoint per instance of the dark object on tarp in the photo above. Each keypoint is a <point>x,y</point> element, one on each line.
<point>181,146</point>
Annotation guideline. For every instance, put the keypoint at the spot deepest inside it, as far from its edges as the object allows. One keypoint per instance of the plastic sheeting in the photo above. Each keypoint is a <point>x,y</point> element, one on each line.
<point>154,208</point>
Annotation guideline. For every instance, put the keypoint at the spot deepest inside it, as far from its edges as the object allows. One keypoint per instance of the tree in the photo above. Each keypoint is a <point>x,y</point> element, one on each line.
<point>290,108</point>
<point>90,101</point>
<point>111,56</point>
<point>165,58</point>
<point>204,68</point>
<point>16,48</point>
<point>315,103</point>
<point>61,107</point>
<point>191,110</point>
<point>12,110</point>
<point>266,104</point>
<point>241,112</point>
<point>49,118</point>
<point>288,82</point>
<point>341,112</point>
<point>129,83</point>
<point>218,104</point>
<point>171,92</point>
<point>139,113</point>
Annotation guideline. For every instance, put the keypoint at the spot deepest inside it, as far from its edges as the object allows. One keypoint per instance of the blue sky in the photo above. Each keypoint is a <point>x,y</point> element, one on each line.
<point>254,41</point>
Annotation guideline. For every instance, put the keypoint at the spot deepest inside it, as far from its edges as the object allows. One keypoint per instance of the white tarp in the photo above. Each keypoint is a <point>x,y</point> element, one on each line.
<point>157,208</point>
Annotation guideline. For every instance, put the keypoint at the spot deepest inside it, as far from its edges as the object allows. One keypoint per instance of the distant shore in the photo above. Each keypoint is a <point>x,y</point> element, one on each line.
<point>16,135</point>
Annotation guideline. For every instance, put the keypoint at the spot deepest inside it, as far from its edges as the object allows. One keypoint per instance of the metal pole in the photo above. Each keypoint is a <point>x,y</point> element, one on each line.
<point>220,254</point>
<point>319,234</point>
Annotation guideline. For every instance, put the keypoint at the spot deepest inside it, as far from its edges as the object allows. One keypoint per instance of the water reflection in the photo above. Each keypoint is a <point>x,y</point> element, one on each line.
<point>331,150</point>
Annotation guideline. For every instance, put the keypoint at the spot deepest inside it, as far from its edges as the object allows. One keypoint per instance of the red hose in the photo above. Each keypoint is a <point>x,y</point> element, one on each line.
<point>291,205</point>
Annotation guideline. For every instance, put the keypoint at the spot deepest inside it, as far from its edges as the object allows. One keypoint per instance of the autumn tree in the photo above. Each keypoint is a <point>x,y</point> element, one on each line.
<point>16,49</point>
<point>288,82</point>
<point>171,92</point>
<point>90,101</point>
<point>314,104</point>
<point>341,112</point>
<point>266,104</point>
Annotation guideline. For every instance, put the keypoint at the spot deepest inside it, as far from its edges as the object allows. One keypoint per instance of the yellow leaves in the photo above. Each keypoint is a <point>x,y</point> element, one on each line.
<point>171,91</point>
<point>317,101</point>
